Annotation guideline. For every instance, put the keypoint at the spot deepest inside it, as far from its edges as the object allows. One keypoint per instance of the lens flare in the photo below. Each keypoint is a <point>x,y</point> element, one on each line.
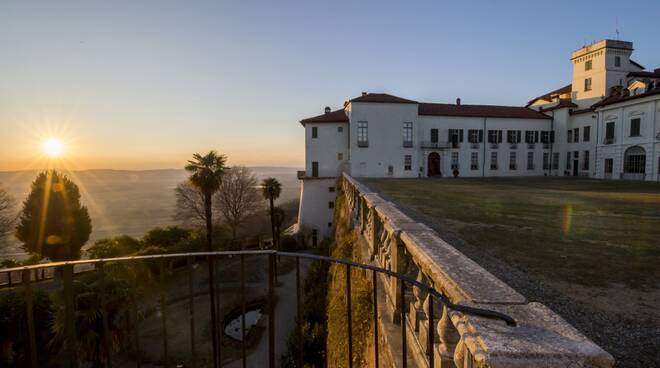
<point>568,219</point>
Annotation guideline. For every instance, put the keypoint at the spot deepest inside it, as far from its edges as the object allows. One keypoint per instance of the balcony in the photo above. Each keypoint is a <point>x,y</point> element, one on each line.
<point>301,174</point>
<point>475,145</point>
<point>531,145</point>
<point>494,145</point>
<point>407,144</point>
<point>435,145</point>
<point>609,140</point>
<point>151,326</point>
<point>363,144</point>
<point>513,145</point>
<point>546,146</point>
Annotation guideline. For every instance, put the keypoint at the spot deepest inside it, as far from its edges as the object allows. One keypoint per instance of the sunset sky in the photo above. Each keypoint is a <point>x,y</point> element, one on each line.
<point>138,84</point>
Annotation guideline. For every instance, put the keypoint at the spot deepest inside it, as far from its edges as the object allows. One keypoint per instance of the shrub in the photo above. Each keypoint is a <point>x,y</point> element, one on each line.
<point>14,338</point>
<point>288,243</point>
<point>114,247</point>
<point>166,237</point>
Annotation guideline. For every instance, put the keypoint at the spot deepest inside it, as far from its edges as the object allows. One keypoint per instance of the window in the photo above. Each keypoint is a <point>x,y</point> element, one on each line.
<point>545,137</point>
<point>585,162</point>
<point>529,136</point>
<point>331,204</point>
<point>546,161</point>
<point>407,162</point>
<point>340,156</point>
<point>513,136</point>
<point>587,84</point>
<point>331,189</point>
<point>475,135</point>
<point>609,165</point>
<point>576,154</point>
<point>407,134</point>
<point>390,170</point>
<point>474,161</point>
<point>493,160</point>
<point>434,135</point>
<point>576,135</point>
<point>329,224</point>
<point>340,129</point>
<point>315,169</point>
<point>569,136</point>
<point>512,160</point>
<point>634,160</point>
<point>587,65</point>
<point>617,61</point>
<point>586,134</point>
<point>609,133</point>
<point>455,137</point>
<point>315,132</point>
<point>454,160</point>
<point>530,160</point>
<point>568,160</point>
<point>635,127</point>
<point>494,136</point>
<point>363,134</point>
<point>555,161</point>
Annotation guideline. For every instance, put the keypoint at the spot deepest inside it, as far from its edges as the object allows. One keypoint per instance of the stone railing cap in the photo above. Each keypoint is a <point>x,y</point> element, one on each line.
<point>454,273</point>
<point>541,339</point>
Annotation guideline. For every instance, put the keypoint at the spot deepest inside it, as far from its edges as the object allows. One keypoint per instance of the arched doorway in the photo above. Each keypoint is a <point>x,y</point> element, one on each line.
<point>433,167</point>
<point>634,163</point>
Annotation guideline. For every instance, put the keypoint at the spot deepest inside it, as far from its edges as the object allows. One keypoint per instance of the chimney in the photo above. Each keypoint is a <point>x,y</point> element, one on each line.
<point>364,93</point>
<point>458,101</point>
<point>327,109</point>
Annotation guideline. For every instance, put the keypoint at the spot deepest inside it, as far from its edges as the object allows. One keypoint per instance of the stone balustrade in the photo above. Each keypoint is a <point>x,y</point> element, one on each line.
<point>396,242</point>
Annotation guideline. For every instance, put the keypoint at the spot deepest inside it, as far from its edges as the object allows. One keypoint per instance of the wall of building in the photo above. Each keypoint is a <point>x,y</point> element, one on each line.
<point>648,111</point>
<point>315,212</point>
<point>385,148</point>
<point>484,149</point>
<point>325,148</point>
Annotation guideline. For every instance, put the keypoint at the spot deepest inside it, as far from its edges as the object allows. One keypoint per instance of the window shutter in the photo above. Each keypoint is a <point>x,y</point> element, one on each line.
<point>499,136</point>
<point>481,135</point>
<point>536,136</point>
<point>460,134</point>
<point>519,133</point>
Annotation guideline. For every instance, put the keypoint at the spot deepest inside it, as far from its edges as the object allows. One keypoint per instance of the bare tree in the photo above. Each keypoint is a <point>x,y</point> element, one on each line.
<point>7,213</point>
<point>189,205</point>
<point>238,197</point>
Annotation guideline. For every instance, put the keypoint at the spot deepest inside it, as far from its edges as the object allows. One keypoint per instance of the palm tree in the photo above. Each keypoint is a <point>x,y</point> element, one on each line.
<point>271,190</point>
<point>206,175</point>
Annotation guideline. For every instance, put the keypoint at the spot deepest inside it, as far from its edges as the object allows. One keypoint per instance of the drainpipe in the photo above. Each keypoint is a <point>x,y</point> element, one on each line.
<point>552,130</point>
<point>483,143</point>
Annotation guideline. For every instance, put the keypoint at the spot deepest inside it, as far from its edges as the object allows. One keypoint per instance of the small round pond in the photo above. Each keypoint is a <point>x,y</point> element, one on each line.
<point>253,314</point>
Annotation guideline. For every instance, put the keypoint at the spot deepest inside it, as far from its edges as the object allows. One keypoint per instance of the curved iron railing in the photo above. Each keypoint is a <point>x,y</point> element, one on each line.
<point>67,272</point>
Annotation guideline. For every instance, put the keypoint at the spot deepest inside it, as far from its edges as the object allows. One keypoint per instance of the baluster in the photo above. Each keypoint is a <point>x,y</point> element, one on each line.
<point>417,313</point>
<point>449,339</point>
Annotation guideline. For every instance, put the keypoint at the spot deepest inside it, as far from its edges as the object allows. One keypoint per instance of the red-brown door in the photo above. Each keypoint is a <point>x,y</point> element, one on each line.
<point>433,164</point>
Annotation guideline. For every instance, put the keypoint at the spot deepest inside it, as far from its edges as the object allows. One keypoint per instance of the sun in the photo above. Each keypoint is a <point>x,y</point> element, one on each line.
<point>52,147</point>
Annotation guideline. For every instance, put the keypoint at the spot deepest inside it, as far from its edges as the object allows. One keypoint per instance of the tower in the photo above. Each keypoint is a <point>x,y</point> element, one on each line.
<point>598,67</point>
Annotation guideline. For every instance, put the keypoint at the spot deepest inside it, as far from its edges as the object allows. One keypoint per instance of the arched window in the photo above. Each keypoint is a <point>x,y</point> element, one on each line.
<point>634,160</point>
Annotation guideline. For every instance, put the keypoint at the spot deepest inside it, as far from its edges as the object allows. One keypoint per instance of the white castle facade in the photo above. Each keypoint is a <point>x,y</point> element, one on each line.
<point>605,124</point>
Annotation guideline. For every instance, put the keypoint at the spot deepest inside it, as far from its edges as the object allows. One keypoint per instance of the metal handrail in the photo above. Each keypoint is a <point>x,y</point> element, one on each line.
<point>67,267</point>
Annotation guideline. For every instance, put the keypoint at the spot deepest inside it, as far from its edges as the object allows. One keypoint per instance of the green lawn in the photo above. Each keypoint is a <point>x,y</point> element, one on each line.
<point>579,231</point>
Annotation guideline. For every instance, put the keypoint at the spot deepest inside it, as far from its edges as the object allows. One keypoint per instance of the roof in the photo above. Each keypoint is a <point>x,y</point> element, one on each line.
<point>612,99</point>
<point>337,116</point>
<point>582,111</point>
<point>491,111</point>
<point>653,74</point>
<point>633,62</point>
<point>548,96</point>
<point>563,103</point>
<point>381,98</point>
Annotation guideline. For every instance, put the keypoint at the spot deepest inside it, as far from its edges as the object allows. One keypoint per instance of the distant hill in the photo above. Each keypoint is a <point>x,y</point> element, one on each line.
<point>131,202</point>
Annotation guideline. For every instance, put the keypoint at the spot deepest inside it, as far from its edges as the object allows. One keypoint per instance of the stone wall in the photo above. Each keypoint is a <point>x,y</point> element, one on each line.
<point>394,241</point>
